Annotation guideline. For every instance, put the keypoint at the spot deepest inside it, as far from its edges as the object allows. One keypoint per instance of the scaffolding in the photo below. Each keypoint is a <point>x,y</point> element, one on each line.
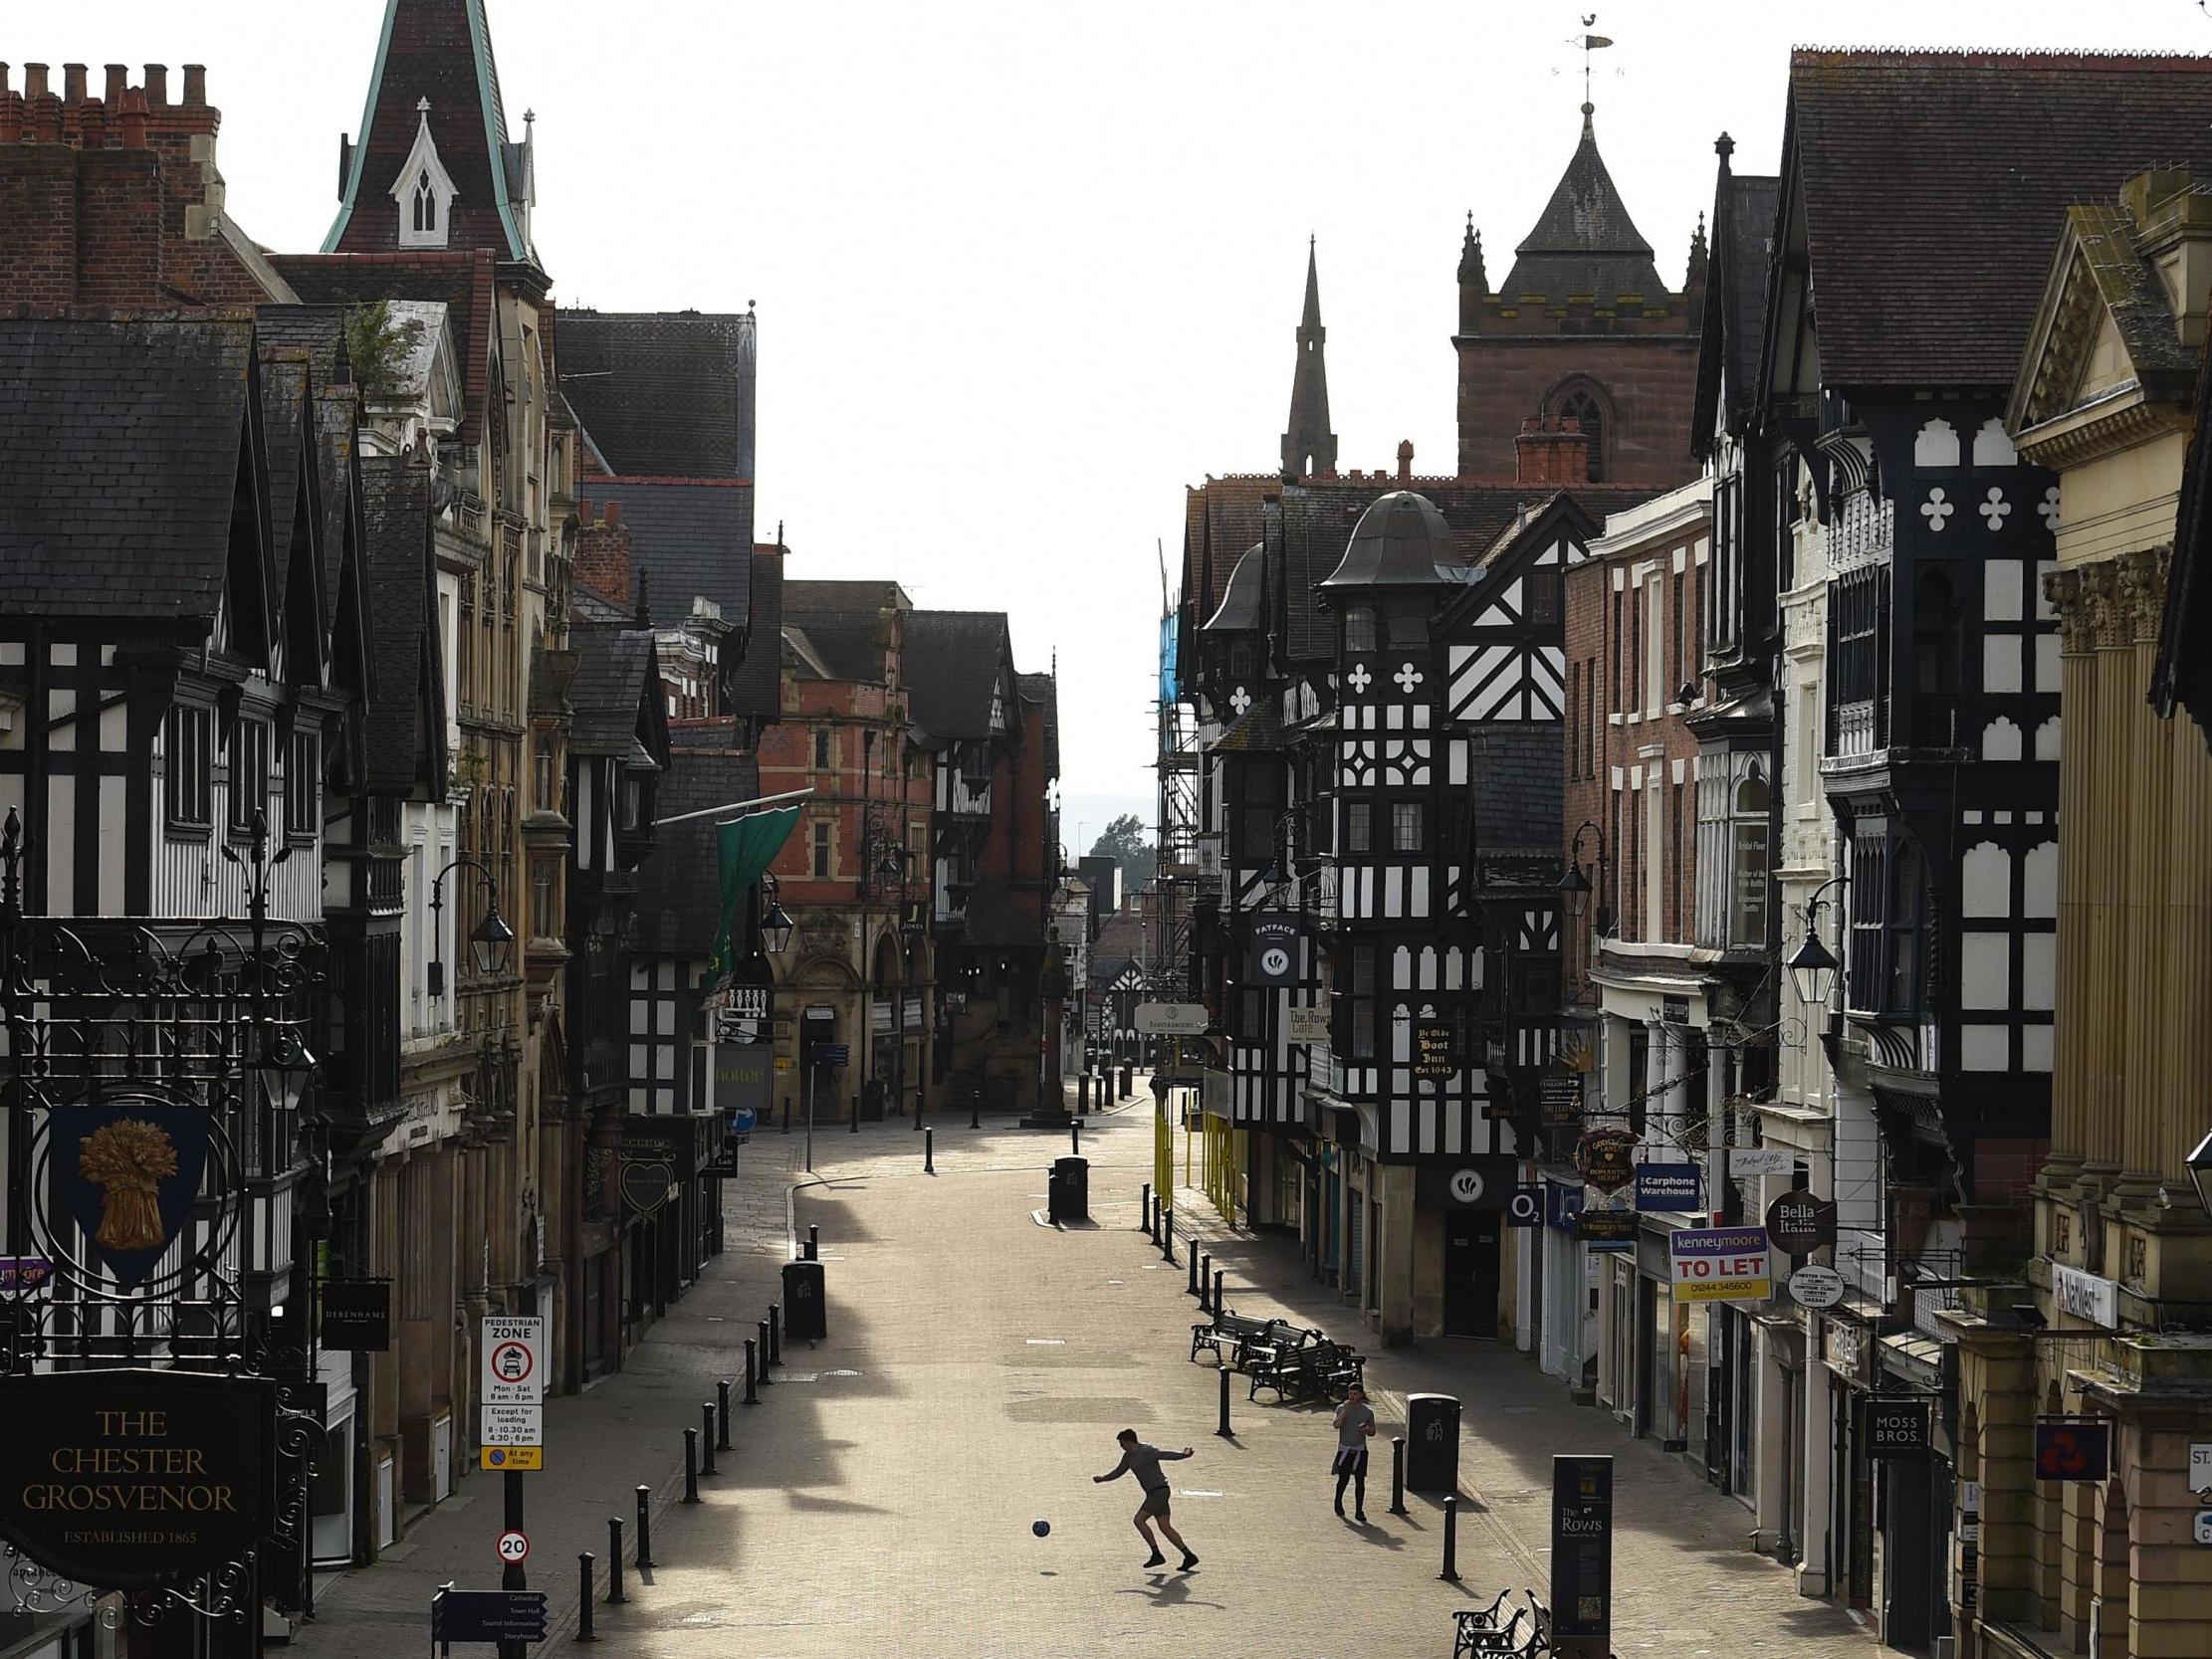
<point>1176,873</point>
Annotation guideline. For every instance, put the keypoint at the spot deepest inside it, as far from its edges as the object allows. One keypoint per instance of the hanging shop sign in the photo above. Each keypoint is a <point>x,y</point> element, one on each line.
<point>1607,1229</point>
<point>1435,1049</point>
<point>1816,1287</point>
<point>1526,1207</point>
<point>1559,1099</point>
<point>1173,1019</point>
<point>127,1173</point>
<point>1798,1223</point>
<point>2073,1451</point>
<point>356,1315</point>
<point>21,1275</point>
<point>1271,950</point>
<point>1761,1160</point>
<point>1719,1264</point>
<point>1562,1205</point>
<point>118,1479</point>
<point>1668,1188</point>
<point>1468,1184</point>
<point>1899,1428</point>
<point>1603,1157</point>
<point>1674,1011</point>
<point>1581,1550</point>
<point>1306,1025</point>
<point>2084,1295</point>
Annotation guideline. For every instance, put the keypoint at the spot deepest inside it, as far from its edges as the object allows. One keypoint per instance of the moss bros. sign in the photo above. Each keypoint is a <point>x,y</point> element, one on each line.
<point>126,1478</point>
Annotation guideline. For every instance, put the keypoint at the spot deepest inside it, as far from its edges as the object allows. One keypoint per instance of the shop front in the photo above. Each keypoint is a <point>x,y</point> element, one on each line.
<point>1567,1287</point>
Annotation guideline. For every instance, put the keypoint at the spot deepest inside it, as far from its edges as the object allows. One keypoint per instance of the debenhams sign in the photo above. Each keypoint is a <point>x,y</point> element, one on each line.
<point>118,1479</point>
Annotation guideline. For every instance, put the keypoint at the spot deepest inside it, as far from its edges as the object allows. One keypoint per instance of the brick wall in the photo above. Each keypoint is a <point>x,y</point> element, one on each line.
<point>1648,384</point>
<point>603,554</point>
<point>113,201</point>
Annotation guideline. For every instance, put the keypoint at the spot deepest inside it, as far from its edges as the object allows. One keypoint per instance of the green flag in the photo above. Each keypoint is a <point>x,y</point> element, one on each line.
<point>744,848</point>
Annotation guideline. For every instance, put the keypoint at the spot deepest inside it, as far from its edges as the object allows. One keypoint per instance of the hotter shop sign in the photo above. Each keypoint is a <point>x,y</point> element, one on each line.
<point>1726,1264</point>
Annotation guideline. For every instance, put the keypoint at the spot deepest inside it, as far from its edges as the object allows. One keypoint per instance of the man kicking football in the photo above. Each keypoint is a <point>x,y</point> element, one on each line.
<point>1144,1461</point>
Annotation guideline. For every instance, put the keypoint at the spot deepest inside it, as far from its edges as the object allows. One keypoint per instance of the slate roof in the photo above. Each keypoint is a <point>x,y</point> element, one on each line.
<point>1260,728</point>
<point>614,667</point>
<point>1934,182</point>
<point>842,623</point>
<point>463,279</point>
<point>1045,690</point>
<point>1242,607</point>
<point>1584,242</point>
<point>285,413</point>
<point>663,393</point>
<point>1400,541</point>
<point>756,684</point>
<point>318,331</point>
<point>689,538</point>
<point>1730,331</point>
<point>440,50</point>
<point>404,732</point>
<point>674,903</point>
<point>119,454</point>
<point>951,666</point>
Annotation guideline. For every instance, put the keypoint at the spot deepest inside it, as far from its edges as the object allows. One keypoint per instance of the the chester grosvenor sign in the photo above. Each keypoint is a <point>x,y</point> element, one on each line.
<point>126,1477</point>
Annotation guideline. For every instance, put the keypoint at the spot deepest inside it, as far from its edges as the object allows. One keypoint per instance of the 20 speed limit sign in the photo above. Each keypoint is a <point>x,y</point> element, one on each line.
<point>514,1549</point>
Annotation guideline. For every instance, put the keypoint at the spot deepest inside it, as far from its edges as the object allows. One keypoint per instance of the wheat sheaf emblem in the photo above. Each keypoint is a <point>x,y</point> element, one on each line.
<point>129,1161</point>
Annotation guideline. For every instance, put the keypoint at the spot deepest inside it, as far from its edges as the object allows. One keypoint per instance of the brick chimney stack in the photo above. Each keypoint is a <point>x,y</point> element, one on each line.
<point>603,554</point>
<point>1552,451</point>
<point>1405,461</point>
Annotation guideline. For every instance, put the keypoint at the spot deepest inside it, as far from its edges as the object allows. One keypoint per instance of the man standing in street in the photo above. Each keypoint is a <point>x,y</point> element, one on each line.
<point>1355,1426</point>
<point>1144,1461</point>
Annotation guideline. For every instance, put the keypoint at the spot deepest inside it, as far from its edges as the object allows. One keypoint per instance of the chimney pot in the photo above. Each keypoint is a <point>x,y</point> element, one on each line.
<point>1405,460</point>
<point>614,512</point>
<point>73,82</point>
<point>157,85</point>
<point>584,510</point>
<point>118,76</point>
<point>34,82</point>
<point>196,83</point>
<point>135,118</point>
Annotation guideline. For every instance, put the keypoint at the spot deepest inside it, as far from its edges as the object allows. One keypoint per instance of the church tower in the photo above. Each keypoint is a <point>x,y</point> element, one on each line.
<point>1583,329</point>
<point>1309,447</point>
<point>433,167</point>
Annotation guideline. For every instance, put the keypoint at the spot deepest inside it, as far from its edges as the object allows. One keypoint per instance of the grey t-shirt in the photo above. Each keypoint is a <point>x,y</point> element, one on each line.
<point>1352,1425</point>
<point>1144,1462</point>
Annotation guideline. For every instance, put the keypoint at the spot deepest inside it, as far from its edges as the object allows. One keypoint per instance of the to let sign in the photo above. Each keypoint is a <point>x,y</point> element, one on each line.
<point>1897,1427</point>
<point>128,1478</point>
<point>1720,1264</point>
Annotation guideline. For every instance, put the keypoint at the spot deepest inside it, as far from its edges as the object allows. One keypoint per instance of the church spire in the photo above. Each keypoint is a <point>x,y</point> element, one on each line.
<point>434,109</point>
<point>1309,447</point>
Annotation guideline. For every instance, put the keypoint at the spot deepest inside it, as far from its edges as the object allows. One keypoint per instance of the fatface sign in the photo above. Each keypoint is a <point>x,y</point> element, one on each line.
<point>1468,1183</point>
<point>122,1479</point>
<point>1272,951</point>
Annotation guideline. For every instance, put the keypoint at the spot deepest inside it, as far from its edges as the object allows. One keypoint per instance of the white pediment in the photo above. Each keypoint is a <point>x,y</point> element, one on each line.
<point>423,192</point>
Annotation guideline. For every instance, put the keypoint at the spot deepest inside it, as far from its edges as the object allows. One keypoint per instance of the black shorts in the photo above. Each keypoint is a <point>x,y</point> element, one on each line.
<point>1349,1460</point>
<point>1156,1502</point>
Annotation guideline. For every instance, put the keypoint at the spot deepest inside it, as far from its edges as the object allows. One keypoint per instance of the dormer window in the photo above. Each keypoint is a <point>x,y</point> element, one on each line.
<point>1358,630</point>
<point>423,192</point>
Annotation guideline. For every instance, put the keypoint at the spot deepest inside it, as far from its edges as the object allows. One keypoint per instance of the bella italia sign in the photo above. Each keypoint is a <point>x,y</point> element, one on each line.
<point>128,1478</point>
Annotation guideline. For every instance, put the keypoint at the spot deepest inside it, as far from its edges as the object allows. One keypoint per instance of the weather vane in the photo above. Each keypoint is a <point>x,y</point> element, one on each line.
<point>1589,42</point>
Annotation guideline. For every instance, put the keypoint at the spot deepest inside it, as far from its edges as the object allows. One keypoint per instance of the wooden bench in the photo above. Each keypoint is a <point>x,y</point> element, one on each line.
<point>1228,1335</point>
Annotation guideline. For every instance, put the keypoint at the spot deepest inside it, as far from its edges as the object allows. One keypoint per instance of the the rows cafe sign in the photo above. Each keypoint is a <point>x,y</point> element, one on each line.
<point>126,1478</point>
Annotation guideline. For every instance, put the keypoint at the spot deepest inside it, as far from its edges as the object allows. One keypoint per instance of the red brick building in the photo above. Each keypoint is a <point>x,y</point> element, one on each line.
<point>1583,329</point>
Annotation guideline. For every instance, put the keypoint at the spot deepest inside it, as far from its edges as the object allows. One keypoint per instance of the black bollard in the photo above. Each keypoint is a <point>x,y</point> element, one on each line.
<point>644,1528</point>
<point>1191,1289</point>
<point>761,1356</point>
<point>1450,1573</point>
<point>751,1389</point>
<point>813,1242</point>
<point>1167,1238</point>
<point>707,1438</point>
<point>1223,1431</point>
<point>1397,1473</point>
<point>722,1415</point>
<point>975,1109</point>
<point>1082,1093</point>
<point>929,1152</point>
<point>775,1333</point>
<point>691,1466</point>
<point>584,1632</point>
<point>1144,1208</point>
<point>786,1117</point>
<point>1075,1139</point>
<point>615,1597</point>
<point>1220,1307</point>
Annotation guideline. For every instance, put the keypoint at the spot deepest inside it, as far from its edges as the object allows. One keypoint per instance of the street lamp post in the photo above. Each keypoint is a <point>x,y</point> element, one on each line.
<point>1575,883</point>
<point>490,941</point>
<point>1812,964</point>
<point>891,871</point>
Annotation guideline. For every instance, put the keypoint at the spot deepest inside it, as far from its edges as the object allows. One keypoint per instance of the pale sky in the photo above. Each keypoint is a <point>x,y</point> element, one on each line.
<point>1024,272</point>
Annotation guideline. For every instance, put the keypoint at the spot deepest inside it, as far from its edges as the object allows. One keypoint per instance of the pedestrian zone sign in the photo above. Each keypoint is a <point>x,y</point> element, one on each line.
<point>514,1361</point>
<point>1720,1264</point>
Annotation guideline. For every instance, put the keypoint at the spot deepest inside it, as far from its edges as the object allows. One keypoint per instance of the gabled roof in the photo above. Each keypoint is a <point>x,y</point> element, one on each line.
<point>295,518</point>
<point>123,447</point>
<point>406,729</point>
<point>439,49</point>
<point>1931,183</point>
<point>842,623</point>
<point>318,331</point>
<point>951,666</point>
<point>1043,691</point>
<point>1584,242</point>
<point>464,280</point>
<point>1728,336</point>
<point>663,393</point>
<point>756,683</point>
<point>618,674</point>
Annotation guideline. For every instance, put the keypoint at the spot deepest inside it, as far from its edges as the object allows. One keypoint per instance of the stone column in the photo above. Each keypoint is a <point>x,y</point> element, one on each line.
<point>2141,594</point>
<point>2078,777</point>
<point>2094,1016</point>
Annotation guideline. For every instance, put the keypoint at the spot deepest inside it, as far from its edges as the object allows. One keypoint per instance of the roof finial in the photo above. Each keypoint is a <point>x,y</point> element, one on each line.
<point>644,614</point>
<point>423,106</point>
<point>1590,43</point>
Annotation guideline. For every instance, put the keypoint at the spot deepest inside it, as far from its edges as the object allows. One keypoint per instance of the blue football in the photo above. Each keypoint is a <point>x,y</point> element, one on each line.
<point>1041,1528</point>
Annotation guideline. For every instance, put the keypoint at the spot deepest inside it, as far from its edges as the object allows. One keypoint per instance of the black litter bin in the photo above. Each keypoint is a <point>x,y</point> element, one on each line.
<point>805,1312</point>
<point>1069,1189</point>
<point>1432,1443</point>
